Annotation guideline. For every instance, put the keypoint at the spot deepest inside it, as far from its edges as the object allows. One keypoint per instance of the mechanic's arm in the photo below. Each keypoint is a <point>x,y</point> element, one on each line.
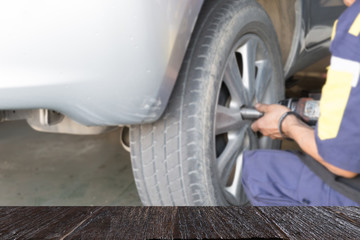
<point>295,129</point>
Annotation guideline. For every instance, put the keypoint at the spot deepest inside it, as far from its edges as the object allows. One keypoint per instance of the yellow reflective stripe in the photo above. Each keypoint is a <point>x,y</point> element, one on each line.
<point>335,96</point>
<point>355,27</point>
<point>334,30</point>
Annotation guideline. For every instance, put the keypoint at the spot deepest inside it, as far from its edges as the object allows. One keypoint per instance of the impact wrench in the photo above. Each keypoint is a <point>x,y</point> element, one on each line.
<point>307,108</point>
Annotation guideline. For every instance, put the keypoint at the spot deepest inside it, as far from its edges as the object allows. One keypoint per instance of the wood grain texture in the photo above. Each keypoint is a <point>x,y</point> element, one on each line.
<point>128,223</point>
<point>312,223</point>
<point>41,222</point>
<point>222,222</point>
<point>179,222</point>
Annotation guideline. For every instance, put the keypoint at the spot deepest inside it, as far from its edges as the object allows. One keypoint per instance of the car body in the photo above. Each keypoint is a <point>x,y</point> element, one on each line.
<point>64,55</point>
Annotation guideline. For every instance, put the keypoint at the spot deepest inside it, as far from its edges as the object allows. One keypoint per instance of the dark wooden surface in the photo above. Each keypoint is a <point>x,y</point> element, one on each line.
<point>178,222</point>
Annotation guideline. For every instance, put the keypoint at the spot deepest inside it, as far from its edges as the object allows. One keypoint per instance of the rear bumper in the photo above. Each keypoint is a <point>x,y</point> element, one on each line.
<point>98,62</point>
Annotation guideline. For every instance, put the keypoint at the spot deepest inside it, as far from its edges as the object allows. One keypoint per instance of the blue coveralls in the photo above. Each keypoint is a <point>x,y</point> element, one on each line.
<point>280,178</point>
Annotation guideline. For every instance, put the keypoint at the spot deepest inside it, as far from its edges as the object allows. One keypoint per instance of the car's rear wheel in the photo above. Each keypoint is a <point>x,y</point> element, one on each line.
<point>192,155</point>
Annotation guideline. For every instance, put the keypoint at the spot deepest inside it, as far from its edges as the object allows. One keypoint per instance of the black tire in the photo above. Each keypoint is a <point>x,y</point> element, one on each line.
<point>175,159</point>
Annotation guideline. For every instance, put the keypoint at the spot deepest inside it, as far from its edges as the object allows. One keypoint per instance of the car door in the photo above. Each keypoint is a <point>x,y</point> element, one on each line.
<point>321,15</point>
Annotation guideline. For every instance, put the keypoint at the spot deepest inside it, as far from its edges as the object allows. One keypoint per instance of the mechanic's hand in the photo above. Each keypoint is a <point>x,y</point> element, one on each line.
<point>349,2</point>
<point>268,125</point>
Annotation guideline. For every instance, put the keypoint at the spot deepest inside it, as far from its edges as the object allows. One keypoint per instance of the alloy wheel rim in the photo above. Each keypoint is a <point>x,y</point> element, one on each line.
<point>246,81</point>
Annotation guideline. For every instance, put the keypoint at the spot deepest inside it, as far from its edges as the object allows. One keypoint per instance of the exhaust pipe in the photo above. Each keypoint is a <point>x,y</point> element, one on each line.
<point>125,138</point>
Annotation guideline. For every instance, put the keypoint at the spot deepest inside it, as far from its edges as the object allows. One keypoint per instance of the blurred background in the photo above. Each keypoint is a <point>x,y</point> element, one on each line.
<point>42,169</point>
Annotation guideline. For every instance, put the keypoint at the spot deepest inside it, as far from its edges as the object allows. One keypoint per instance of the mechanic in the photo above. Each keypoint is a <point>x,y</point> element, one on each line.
<point>332,159</point>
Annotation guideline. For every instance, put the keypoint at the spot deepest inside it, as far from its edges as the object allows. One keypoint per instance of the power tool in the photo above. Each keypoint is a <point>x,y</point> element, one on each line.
<point>307,108</point>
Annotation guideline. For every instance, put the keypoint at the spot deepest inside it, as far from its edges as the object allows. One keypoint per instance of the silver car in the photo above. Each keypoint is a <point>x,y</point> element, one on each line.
<point>176,73</point>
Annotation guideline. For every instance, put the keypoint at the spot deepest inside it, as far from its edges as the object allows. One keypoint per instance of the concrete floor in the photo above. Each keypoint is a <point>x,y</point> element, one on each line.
<point>41,169</point>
